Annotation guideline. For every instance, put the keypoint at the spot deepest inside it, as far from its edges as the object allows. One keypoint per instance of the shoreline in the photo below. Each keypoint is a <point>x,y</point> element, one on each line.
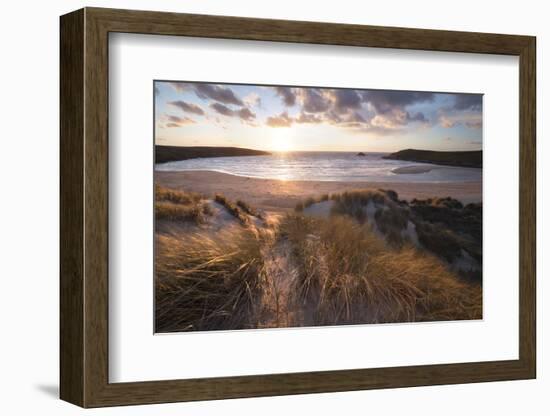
<point>277,195</point>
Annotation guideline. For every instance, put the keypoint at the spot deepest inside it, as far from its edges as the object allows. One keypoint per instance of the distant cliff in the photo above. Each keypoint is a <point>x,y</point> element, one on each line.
<point>173,153</point>
<point>470,159</point>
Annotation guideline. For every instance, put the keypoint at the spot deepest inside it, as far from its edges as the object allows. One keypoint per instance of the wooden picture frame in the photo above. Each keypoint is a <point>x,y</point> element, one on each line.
<point>84,207</point>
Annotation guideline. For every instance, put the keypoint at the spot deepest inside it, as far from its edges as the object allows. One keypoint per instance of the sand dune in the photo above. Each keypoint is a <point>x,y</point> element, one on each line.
<point>282,196</point>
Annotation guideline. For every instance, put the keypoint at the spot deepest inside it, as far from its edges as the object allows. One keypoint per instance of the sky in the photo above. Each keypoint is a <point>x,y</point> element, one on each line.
<point>284,118</point>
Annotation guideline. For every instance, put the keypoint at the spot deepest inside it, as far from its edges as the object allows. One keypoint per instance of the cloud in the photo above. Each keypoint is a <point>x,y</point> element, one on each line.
<point>244,113</point>
<point>417,117</point>
<point>377,111</point>
<point>387,101</point>
<point>446,122</point>
<point>175,121</point>
<point>471,120</point>
<point>218,93</point>
<point>282,120</point>
<point>361,128</point>
<point>398,118</point>
<point>304,118</point>
<point>355,117</point>
<point>389,122</point>
<point>187,107</point>
<point>464,111</point>
<point>222,109</point>
<point>475,124</point>
<point>345,100</point>
<point>313,100</point>
<point>253,100</point>
<point>287,95</point>
<point>179,86</point>
<point>345,108</point>
<point>468,102</point>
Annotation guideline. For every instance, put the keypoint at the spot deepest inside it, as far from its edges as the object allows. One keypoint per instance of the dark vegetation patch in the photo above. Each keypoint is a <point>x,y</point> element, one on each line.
<point>444,226</point>
<point>452,225</point>
<point>348,275</point>
<point>391,222</point>
<point>472,158</point>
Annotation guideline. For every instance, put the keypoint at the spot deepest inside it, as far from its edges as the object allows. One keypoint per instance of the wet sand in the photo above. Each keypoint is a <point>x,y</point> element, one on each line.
<point>413,169</point>
<point>279,196</point>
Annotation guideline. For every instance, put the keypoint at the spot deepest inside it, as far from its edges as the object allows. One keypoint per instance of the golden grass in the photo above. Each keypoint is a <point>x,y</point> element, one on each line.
<point>233,209</point>
<point>346,275</point>
<point>347,202</point>
<point>176,197</point>
<point>180,206</point>
<point>339,270</point>
<point>444,226</point>
<point>177,212</point>
<point>208,282</point>
<point>248,209</point>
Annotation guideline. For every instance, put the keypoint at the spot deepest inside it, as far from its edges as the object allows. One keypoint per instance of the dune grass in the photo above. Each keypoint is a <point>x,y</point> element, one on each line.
<point>176,197</point>
<point>248,209</point>
<point>347,275</point>
<point>348,268</point>
<point>208,282</point>
<point>180,206</point>
<point>178,212</point>
<point>234,209</point>
<point>444,226</point>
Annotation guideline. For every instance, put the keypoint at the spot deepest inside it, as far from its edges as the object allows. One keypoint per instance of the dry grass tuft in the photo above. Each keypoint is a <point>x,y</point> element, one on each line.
<point>233,209</point>
<point>208,282</point>
<point>443,226</point>
<point>176,197</point>
<point>177,212</point>
<point>299,207</point>
<point>361,197</point>
<point>248,209</point>
<point>347,275</point>
<point>180,206</point>
<point>355,267</point>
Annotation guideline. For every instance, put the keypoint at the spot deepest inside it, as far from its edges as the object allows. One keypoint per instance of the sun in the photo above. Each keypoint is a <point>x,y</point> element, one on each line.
<point>281,140</point>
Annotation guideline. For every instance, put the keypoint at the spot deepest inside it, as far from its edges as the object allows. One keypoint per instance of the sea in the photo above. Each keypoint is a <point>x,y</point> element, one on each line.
<point>324,166</point>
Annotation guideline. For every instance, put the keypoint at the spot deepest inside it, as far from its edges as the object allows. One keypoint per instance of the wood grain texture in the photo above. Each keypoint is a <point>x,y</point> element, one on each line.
<point>527,207</point>
<point>71,208</point>
<point>84,207</point>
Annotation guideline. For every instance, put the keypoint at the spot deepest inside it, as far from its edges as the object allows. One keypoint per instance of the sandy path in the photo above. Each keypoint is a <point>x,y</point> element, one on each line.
<point>277,312</point>
<point>279,196</point>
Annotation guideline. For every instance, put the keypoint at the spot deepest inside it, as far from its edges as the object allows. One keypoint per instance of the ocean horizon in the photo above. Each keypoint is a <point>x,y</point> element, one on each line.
<point>325,166</point>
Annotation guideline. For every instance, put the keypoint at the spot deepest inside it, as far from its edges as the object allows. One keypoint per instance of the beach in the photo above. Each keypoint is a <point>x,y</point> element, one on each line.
<point>282,195</point>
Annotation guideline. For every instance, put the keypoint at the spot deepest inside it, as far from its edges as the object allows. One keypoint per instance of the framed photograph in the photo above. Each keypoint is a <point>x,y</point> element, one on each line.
<point>262,207</point>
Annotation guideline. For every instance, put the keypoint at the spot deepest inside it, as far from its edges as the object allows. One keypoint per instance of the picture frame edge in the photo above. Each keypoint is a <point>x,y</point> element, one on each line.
<point>84,218</point>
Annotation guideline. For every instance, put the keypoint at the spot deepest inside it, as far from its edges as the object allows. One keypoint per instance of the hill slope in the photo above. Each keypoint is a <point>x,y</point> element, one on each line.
<point>173,153</point>
<point>471,159</point>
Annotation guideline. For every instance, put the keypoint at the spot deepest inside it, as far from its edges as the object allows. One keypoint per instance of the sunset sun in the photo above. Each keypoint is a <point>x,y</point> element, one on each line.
<point>281,140</point>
